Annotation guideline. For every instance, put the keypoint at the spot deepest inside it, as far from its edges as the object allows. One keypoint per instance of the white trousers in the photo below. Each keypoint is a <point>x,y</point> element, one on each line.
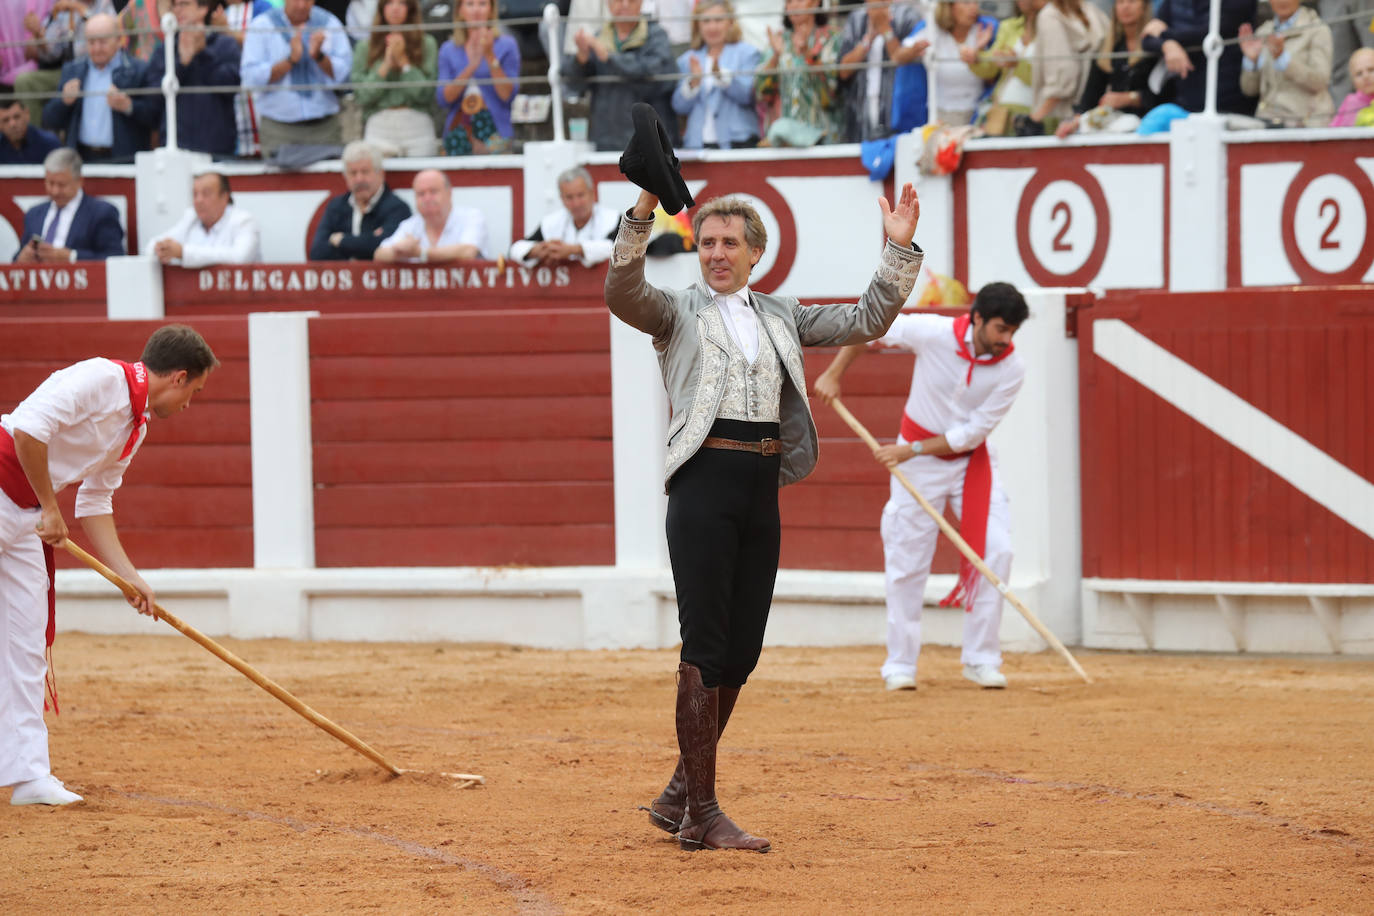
<point>909,538</point>
<point>402,132</point>
<point>23,621</point>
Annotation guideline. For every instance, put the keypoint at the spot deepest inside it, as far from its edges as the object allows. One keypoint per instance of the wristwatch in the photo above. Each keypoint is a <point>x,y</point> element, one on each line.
<point>916,448</point>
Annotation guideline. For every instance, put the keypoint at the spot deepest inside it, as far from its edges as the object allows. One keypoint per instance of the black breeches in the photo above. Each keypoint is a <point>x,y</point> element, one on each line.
<point>723,537</point>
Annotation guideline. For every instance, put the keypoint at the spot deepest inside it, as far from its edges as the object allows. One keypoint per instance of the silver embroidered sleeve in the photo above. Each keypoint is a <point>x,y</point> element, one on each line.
<point>900,266</point>
<point>631,240</point>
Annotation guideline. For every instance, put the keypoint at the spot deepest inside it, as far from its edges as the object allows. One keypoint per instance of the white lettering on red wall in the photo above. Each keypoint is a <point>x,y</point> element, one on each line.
<point>387,279</point>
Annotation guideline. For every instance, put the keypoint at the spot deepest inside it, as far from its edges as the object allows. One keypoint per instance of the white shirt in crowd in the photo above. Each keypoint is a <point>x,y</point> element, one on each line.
<point>64,219</point>
<point>741,320</point>
<point>945,398</point>
<point>234,239</point>
<point>597,237</point>
<point>82,414</point>
<point>957,88</point>
<point>465,226</point>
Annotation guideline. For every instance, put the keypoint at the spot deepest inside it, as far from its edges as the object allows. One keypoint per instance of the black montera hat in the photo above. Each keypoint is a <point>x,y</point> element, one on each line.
<point>649,162</point>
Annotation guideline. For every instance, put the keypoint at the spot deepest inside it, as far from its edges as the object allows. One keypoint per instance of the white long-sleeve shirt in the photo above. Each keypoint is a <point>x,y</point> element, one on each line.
<point>233,239</point>
<point>597,236</point>
<point>945,397</point>
<point>82,413</point>
<point>465,226</point>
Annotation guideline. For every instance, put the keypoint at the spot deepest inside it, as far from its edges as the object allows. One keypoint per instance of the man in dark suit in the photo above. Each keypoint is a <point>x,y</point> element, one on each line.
<point>205,120</point>
<point>71,226</point>
<point>99,119</point>
<point>354,224</point>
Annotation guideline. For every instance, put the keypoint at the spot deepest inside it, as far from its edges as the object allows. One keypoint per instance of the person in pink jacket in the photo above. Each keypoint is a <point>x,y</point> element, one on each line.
<point>1362,78</point>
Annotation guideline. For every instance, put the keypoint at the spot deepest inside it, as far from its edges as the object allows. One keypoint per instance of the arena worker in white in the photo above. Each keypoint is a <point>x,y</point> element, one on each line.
<point>582,230</point>
<point>438,231</point>
<point>212,231</point>
<point>83,424</point>
<point>966,378</point>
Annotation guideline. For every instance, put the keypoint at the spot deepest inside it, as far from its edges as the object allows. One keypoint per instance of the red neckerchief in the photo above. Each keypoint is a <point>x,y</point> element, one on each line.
<point>136,375</point>
<point>960,331</point>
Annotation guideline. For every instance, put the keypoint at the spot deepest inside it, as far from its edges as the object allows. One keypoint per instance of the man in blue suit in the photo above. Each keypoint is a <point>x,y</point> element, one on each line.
<point>100,120</point>
<point>71,226</point>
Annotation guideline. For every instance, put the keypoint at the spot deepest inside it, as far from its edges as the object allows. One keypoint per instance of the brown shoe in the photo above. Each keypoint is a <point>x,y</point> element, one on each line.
<point>704,826</point>
<point>667,811</point>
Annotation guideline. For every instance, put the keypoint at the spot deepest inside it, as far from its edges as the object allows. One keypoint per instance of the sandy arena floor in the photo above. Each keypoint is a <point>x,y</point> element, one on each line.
<point>1173,784</point>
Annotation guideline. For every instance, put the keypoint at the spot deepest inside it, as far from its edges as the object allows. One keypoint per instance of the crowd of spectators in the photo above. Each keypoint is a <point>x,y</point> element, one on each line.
<point>434,77</point>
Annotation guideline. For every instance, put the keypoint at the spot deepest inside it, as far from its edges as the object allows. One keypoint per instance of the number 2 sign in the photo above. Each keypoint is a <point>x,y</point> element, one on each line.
<point>1325,224</point>
<point>1063,226</point>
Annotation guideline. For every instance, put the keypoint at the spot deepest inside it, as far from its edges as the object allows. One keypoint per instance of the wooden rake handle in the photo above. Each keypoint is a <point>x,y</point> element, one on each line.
<point>247,670</point>
<point>962,544</point>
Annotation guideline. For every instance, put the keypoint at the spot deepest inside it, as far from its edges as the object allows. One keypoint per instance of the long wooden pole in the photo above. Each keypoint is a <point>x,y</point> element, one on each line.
<point>962,544</point>
<point>248,671</point>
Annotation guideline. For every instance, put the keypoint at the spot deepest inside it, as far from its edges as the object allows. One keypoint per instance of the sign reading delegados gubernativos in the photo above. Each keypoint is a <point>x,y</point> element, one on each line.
<point>368,278</point>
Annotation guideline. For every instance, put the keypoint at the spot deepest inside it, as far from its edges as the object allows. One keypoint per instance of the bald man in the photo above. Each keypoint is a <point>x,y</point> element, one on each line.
<point>98,118</point>
<point>438,231</point>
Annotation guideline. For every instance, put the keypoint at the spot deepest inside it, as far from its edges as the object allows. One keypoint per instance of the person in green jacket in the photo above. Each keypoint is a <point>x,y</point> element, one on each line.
<point>1010,55</point>
<point>394,72</point>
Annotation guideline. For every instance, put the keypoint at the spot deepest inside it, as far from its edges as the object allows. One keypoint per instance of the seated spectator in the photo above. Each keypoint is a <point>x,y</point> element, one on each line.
<point>631,50</point>
<point>60,38</point>
<point>805,99</point>
<point>71,226</point>
<point>477,71</point>
<point>438,231</point>
<point>1352,106</point>
<point>582,230</point>
<point>717,93</point>
<point>870,43</point>
<point>22,143</point>
<point>297,45</point>
<point>953,45</point>
<point>97,117</point>
<point>213,231</point>
<point>396,119</point>
<point>1351,30</point>
<point>1119,84</point>
<point>1068,32</point>
<point>205,120</point>
<point>355,223</point>
<point>235,18</point>
<point>1182,24</point>
<point>1288,65</point>
<point>1011,53</point>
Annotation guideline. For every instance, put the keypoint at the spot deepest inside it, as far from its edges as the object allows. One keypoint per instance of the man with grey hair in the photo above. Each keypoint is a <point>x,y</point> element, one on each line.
<point>355,223</point>
<point>70,226</point>
<point>741,428</point>
<point>582,230</point>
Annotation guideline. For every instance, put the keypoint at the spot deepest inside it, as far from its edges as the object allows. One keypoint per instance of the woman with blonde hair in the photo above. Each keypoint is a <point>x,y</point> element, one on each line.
<point>716,93</point>
<point>1070,32</point>
<point>1119,82</point>
<point>477,71</point>
<point>1010,55</point>
<point>396,117</point>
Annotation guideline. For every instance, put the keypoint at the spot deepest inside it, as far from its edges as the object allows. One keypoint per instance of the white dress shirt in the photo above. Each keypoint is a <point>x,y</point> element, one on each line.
<point>64,219</point>
<point>233,239</point>
<point>597,236</point>
<point>82,414</point>
<point>945,397</point>
<point>465,226</point>
<point>741,320</point>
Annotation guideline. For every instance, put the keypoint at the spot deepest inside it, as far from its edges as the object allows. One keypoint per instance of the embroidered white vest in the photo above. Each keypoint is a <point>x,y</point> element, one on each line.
<point>753,391</point>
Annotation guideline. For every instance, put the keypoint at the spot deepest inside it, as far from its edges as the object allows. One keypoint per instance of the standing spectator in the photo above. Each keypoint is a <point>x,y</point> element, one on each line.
<point>805,98</point>
<point>61,39</point>
<point>632,50</point>
<point>22,143</point>
<point>98,118</point>
<point>438,231</point>
<point>396,118</point>
<point>1358,101</point>
<point>355,223</point>
<point>70,226</point>
<point>582,230</point>
<point>1349,21</point>
<point>870,43</point>
<point>21,22</point>
<point>1068,31</point>
<point>235,18</point>
<point>205,120</point>
<point>297,45</point>
<point>213,230</point>
<point>477,71</point>
<point>1176,34</point>
<point>717,92</point>
<point>953,44</point>
<point>1121,83</point>
<point>1288,65</point>
<point>142,24</point>
<point>1012,52</point>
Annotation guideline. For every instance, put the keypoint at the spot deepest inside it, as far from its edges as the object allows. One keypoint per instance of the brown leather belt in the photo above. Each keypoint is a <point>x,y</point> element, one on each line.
<point>762,447</point>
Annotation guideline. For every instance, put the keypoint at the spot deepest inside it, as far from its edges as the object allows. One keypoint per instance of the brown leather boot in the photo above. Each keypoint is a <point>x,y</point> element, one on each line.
<point>705,826</point>
<point>666,811</point>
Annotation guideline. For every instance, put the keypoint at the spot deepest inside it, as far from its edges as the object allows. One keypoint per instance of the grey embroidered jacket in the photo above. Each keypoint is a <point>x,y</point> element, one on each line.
<point>693,343</point>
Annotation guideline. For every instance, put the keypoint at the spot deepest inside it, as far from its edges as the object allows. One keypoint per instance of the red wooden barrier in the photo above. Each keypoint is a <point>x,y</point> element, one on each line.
<point>53,290</point>
<point>1165,497</point>
<point>186,500</point>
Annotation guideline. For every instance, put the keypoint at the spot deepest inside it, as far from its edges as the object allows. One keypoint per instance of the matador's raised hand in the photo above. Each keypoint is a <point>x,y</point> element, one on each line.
<point>900,222</point>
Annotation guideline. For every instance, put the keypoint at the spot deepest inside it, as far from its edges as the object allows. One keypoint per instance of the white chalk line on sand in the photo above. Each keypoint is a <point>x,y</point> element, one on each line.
<point>529,900</point>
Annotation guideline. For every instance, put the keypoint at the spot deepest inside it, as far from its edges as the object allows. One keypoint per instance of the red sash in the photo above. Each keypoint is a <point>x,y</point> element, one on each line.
<point>15,483</point>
